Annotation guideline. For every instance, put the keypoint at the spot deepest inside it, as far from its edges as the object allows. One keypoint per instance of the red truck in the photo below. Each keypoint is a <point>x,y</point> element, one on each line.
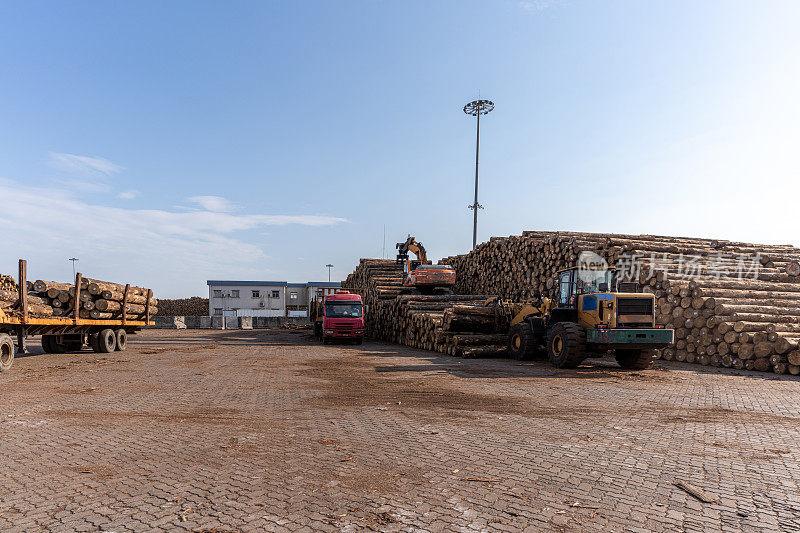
<point>338,316</point>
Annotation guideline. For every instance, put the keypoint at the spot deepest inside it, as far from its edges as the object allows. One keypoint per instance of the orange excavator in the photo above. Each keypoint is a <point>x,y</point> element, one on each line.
<point>419,275</point>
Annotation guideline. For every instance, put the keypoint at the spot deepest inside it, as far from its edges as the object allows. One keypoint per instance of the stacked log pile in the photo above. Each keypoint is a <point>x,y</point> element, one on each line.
<point>459,325</point>
<point>194,306</point>
<point>7,283</point>
<point>99,300</point>
<point>376,279</point>
<point>732,304</point>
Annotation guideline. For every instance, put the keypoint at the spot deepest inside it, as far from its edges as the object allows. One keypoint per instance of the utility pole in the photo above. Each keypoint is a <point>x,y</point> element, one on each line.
<point>476,108</point>
<point>329,271</point>
<point>73,259</point>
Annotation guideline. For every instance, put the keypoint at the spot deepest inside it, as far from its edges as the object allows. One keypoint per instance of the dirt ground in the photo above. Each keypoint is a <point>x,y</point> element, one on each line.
<point>271,431</point>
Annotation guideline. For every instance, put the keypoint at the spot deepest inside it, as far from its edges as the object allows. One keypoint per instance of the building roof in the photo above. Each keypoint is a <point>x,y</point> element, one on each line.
<point>217,282</point>
<point>324,283</point>
<point>295,284</point>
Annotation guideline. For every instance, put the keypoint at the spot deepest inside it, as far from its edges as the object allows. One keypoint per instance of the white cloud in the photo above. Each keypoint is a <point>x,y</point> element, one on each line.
<point>216,204</point>
<point>534,5</point>
<point>168,250</point>
<point>83,165</point>
<point>128,195</point>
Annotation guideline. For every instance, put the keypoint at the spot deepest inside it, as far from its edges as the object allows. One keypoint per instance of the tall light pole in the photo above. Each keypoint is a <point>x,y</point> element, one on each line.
<point>73,259</point>
<point>476,108</point>
<point>329,271</point>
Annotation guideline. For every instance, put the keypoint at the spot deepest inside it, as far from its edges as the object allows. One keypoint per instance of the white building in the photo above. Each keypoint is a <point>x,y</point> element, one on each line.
<point>246,298</point>
<point>264,298</point>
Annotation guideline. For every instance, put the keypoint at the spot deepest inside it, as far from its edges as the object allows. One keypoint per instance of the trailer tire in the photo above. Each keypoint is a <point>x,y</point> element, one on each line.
<point>93,342</point>
<point>122,340</point>
<point>634,359</point>
<point>57,347</point>
<point>566,345</point>
<point>7,349</point>
<point>521,342</point>
<point>47,343</point>
<point>106,341</point>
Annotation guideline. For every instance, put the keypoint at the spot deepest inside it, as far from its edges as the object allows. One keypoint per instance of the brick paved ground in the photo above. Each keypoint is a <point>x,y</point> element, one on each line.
<point>257,430</point>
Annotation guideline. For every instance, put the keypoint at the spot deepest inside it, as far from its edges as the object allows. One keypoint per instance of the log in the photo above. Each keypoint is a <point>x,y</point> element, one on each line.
<point>34,310</point>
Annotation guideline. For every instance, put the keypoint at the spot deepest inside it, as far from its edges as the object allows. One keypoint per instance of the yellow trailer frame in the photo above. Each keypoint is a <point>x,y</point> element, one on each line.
<point>24,325</point>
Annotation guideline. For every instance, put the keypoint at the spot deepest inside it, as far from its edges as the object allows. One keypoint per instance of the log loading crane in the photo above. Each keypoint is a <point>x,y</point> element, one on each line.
<point>419,275</point>
<point>588,317</point>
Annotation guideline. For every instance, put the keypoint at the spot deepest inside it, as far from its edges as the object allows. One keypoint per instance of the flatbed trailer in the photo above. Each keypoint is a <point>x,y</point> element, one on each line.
<point>65,333</point>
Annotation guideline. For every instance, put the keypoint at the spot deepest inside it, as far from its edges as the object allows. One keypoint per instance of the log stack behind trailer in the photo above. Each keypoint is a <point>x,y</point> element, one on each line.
<point>732,304</point>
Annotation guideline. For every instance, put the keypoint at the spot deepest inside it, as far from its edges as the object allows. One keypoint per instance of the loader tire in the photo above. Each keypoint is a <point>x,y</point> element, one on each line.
<point>566,345</point>
<point>106,341</point>
<point>634,359</point>
<point>522,343</point>
<point>7,349</point>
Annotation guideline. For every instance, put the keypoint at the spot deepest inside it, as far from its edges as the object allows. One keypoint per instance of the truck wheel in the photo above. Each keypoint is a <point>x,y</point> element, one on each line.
<point>566,345</point>
<point>47,343</point>
<point>122,340</point>
<point>634,359</point>
<point>106,341</point>
<point>6,352</point>
<point>318,330</point>
<point>521,342</point>
<point>93,342</point>
<point>56,346</point>
<point>359,341</point>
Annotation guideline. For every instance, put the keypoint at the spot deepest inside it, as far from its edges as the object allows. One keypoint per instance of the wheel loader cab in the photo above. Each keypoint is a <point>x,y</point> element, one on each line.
<point>585,296</point>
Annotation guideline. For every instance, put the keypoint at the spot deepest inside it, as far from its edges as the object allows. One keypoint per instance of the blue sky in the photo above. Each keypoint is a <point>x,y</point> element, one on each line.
<point>166,143</point>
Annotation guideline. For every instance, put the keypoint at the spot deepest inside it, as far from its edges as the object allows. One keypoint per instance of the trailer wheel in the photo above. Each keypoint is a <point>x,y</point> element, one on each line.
<point>521,342</point>
<point>634,359</point>
<point>106,341</point>
<point>47,343</point>
<point>566,345</point>
<point>93,342</point>
<point>122,340</point>
<point>6,352</point>
<point>55,346</point>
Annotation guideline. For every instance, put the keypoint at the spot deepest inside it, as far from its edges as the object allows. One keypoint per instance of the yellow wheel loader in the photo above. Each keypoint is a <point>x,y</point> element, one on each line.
<point>587,318</point>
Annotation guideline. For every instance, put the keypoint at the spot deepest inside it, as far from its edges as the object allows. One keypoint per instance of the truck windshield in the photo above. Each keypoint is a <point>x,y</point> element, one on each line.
<point>343,310</point>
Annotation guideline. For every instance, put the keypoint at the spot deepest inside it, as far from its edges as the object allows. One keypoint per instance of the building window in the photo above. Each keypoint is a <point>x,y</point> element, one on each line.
<point>234,294</point>
<point>256,294</point>
<point>293,296</point>
<point>276,294</point>
<point>217,294</point>
<point>217,311</point>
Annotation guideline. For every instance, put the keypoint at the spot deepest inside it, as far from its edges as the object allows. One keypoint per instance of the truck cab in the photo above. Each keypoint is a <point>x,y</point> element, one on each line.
<point>339,316</point>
